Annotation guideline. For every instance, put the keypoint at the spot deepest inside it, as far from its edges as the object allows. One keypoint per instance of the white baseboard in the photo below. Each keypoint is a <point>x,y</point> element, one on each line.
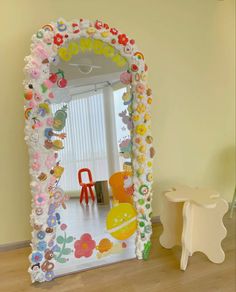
<point>14,245</point>
<point>156,219</point>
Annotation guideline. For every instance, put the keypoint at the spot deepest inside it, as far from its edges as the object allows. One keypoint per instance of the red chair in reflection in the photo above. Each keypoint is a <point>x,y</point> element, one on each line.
<point>86,187</point>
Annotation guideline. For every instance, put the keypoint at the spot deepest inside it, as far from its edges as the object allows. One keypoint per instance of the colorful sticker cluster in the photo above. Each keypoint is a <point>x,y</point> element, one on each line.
<point>53,42</point>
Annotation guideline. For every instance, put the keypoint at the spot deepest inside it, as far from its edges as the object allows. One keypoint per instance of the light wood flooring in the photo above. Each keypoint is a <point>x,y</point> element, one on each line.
<point>160,273</point>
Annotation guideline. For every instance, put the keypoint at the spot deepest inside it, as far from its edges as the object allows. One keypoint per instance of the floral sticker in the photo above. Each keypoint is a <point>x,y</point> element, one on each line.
<point>84,246</point>
<point>122,39</point>
<point>36,257</point>
<point>61,250</point>
<point>40,199</point>
<point>58,39</point>
<point>52,221</point>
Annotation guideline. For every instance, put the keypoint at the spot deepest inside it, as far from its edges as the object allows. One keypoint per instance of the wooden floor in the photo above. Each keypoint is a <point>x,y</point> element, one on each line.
<point>160,273</point>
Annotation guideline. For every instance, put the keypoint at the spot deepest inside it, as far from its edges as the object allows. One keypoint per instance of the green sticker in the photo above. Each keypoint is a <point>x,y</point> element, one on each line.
<point>141,201</point>
<point>60,239</point>
<point>39,34</point>
<point>143,189</point>
<point>141,224</point>
<point>147,249</point>
<point>59,120</point>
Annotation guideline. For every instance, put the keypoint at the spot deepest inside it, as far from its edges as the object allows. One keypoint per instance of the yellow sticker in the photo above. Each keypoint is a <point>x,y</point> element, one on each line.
<point>85,44</point>
<point>108,51</point>
<point>98,47</point>
<point>121,221</point>
<point>73,47</point>
<point>119,60</point>
<point>64,54</point>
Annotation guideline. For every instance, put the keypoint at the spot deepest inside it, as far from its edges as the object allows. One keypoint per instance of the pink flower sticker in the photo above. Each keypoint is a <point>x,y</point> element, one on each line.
<point>36,155</point>
<point>34,73</point>
<point>63,226</point>
<point>49,121</point>
<point>126,77</point>
<point>140,88</point>
<point>37,96</point>
<point>50,161</point>
<point>32,104</point>
<point>40,199</point>
<point>84,246</point>
<point>36,166</point>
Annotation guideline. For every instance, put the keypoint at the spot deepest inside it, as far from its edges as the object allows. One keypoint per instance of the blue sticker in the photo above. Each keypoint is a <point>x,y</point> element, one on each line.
<point>49,276</point>
<point>42,245</point>
<point>36,257</point>
<point>52,221</point>
<point>41,235</point>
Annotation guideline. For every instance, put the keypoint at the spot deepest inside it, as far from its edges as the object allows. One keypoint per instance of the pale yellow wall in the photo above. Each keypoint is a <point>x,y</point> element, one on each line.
<point>189,47</point>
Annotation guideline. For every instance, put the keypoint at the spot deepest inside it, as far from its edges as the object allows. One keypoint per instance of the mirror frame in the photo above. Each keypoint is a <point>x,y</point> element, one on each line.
<point>45,46</point>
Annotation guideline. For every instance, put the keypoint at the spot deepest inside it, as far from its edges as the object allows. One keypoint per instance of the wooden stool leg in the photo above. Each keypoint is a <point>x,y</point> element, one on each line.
<point>172,221</point>
<point>81,195</point>
<point>208,230</point>
<point>91,193</point>
<point>186,235</point>
<point>86,194</point>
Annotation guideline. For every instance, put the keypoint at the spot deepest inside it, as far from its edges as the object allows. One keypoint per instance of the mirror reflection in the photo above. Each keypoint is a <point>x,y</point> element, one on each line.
<point>91,133</point>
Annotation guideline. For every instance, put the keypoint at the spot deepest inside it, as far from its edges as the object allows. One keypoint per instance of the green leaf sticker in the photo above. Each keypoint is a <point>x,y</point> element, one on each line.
<point>60,239</point>
<point>61,260</point>
<point>66,251</point>
<point>69,239</point>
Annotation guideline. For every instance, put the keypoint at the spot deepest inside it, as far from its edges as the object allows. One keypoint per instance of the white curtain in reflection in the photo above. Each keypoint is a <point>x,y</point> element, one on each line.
<point>85,145</point>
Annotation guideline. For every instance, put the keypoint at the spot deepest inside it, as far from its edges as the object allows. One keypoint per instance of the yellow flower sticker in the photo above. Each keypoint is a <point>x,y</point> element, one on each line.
<point>149,100</point>
<point>142,148</point>
<point>135,117</point>
<point>140,171</point>
<point>141,159</point>
<point>141,108</point>
<point>147,117</point>
<point>141,129</point>
<point>149,177</point>
<point>91,31</point>
<point>105,34</point>
<point>149,164</point>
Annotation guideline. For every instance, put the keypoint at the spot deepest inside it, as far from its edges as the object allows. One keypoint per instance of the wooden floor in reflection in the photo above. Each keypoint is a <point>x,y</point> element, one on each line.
<point>91,218</point>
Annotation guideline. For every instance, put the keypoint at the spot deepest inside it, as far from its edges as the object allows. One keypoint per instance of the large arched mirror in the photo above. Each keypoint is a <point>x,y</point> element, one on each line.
<point>88,130</point>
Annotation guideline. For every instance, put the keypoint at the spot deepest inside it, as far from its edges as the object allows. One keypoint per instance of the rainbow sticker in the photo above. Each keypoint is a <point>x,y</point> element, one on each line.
<point>27,112</point>
<point>48,27</point>
<point>139,55</point>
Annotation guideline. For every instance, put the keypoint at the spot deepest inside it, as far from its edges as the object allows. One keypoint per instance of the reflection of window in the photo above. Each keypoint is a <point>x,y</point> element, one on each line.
<point>123,134</point>
<point>121,129</point>
<point>85,145</point>
<point>88,136</point>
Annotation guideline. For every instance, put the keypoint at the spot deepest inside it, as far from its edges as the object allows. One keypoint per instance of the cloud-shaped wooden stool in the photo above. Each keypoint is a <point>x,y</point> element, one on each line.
<point>192,218</point>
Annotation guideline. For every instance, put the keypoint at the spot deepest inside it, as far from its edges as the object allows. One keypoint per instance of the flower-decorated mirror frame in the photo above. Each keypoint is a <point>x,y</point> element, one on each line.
<point>47,43</point>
